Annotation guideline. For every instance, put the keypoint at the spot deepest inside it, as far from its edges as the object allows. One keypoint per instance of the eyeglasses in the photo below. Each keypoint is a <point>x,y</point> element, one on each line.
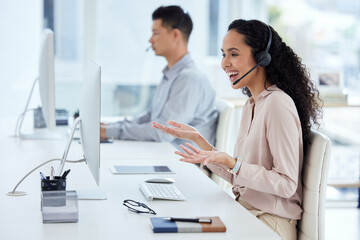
<point>133,205</point>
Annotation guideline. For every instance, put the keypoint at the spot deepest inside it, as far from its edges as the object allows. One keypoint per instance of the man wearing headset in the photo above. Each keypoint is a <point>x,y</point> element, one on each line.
<point>184,93</point>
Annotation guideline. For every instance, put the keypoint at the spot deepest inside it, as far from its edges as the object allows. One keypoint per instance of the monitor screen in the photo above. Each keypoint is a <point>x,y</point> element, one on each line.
<point>47,91</point>
<point>47,78</point>
<point>89,121</point>
<point>90,117</point>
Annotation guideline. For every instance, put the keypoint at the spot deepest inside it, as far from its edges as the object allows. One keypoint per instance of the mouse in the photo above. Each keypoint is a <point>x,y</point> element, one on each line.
<point>160,180</point>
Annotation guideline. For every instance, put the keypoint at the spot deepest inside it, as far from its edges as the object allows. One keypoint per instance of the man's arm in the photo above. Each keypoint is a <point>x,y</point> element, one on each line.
<point>113,130</point>
<point>182,101</point>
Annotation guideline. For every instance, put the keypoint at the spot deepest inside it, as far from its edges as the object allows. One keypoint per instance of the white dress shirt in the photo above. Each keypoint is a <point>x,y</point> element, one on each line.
<point>184,95</point>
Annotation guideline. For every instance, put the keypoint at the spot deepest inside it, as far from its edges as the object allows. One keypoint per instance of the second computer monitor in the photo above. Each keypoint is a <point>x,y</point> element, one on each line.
<point>47,78</point>
<point>90,110</point>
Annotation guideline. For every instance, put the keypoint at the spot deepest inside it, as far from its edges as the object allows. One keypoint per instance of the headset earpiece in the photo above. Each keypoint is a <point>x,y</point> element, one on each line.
<point>263,58</point>
<point>182,19</point>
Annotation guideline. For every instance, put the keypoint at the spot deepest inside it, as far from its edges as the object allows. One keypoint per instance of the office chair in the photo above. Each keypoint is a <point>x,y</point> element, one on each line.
<point>224,127</point>
<point>223,133</point>
<point>314,178</point>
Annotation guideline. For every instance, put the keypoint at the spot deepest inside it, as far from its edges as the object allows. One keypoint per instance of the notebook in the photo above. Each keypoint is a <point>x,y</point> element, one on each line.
<point>159,225</point>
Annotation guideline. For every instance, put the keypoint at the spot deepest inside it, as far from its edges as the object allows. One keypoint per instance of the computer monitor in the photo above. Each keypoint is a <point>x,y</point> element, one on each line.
<point>46,81</point>
<point>89,121</point>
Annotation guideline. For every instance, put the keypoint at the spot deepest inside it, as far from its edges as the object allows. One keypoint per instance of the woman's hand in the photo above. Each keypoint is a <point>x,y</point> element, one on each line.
<point>185,132</point>
<point>179,130</point>
<point>195,155</point>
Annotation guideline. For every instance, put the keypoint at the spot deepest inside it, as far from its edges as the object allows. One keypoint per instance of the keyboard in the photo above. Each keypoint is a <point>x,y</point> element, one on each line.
<point>164,191</point>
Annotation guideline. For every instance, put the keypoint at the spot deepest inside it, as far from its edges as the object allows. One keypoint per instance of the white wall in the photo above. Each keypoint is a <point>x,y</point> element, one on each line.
<point>20,31</point>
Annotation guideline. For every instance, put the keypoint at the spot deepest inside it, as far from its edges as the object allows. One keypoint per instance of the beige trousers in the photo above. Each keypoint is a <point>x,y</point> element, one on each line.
<point>284,227</point>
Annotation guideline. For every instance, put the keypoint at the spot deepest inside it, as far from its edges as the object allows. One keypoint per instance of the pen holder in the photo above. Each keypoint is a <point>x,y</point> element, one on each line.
<point>58,184</point>
<point>59,206</point>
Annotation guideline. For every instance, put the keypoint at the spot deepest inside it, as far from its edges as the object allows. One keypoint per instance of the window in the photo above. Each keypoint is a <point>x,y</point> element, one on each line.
<point>115,35</point>
<point>325,34</point>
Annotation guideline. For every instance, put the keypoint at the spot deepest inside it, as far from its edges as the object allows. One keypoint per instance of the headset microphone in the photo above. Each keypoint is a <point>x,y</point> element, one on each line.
<point>238,80</point>
<point>262,58</point>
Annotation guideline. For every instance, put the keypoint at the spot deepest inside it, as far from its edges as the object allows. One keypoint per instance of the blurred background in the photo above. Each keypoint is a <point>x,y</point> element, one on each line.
<point>114,33</point>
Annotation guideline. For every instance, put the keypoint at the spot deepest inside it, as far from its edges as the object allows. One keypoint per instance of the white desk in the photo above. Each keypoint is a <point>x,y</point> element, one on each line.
<point>21,218</point>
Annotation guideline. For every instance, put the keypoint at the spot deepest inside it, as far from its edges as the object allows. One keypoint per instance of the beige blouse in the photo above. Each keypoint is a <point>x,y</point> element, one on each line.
<point>271,148</point>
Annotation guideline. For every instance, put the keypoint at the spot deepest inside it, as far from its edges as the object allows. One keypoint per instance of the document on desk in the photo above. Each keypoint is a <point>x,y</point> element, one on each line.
<point>140,169</point>
<point>160,225</point>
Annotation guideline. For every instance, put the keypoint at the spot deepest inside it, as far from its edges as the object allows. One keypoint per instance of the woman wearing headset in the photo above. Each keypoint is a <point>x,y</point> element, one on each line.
<point>265,170</point>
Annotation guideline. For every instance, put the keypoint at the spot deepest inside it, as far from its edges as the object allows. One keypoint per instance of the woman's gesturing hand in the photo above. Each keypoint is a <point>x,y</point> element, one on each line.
<point>179,130</point>
<point>195,155</point>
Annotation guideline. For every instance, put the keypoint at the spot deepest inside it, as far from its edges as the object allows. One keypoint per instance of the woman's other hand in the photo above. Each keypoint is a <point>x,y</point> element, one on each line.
<point>192,154</point>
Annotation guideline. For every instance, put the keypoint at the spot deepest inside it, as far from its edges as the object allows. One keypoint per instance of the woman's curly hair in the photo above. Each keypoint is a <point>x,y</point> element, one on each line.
<point>285,70</point>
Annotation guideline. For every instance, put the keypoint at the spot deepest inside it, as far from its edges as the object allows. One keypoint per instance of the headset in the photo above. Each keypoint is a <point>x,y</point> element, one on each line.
<point>262,58</point>
<point>180,21</point>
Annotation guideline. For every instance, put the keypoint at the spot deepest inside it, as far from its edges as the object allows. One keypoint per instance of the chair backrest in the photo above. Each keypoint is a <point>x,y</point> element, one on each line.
<point>224,126</point>
<point>223,133</point>
<point>314,178</point>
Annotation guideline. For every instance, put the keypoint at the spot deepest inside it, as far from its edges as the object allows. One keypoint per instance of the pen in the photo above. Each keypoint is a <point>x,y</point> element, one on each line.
<point>52,173</point>
<point>199,220</point>
<point>42,176</point>
<point>65,173</point>
<point>45,180</point>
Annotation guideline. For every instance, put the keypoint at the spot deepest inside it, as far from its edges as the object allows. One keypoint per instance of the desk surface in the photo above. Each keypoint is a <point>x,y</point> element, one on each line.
<point>21,218</point>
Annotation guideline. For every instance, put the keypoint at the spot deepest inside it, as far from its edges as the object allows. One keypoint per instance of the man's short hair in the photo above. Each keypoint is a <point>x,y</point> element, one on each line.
<point>174,17</point>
